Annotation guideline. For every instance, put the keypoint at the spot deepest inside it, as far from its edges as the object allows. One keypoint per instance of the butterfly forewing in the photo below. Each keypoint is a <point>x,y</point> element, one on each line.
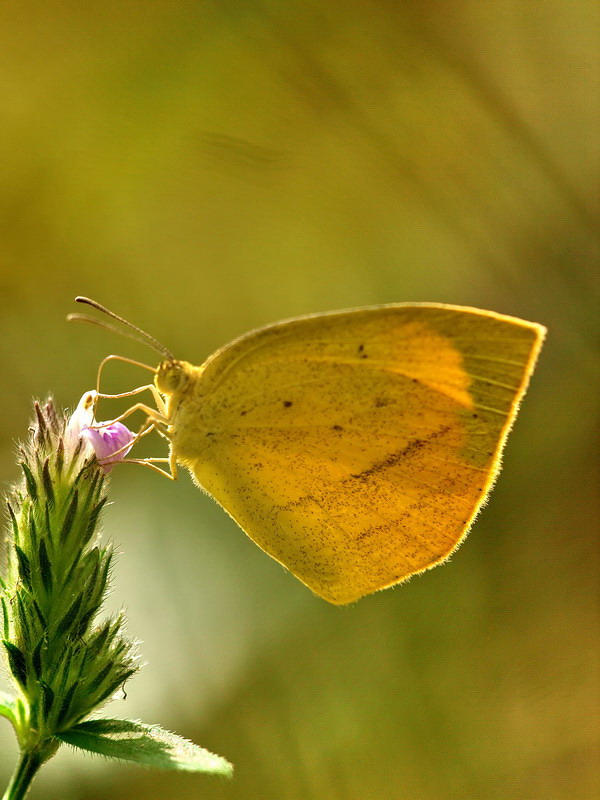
<point>356,447</point>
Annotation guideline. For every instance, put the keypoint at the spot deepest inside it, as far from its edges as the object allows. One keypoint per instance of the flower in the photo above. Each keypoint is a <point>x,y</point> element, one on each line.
<point>110,441</point>
<point>64,661</point>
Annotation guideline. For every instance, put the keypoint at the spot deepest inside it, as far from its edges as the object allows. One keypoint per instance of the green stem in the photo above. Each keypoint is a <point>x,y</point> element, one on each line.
<point>28,765</point>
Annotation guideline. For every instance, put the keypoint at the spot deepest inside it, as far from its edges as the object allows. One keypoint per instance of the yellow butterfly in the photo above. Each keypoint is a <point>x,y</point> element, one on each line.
<point>354,447</point>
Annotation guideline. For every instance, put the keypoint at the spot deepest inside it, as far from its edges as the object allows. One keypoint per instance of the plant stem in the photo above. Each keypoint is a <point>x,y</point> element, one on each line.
<point>28,765</point>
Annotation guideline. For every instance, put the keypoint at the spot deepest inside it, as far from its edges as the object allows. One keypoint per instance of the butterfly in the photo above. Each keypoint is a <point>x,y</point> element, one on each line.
<point>354,447</point>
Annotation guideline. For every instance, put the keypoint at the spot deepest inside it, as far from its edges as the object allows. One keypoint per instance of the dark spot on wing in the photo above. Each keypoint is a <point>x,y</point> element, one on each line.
<point>243,413</point>
<point>336,428</point>
<point>361,347</point>
<point>287,403</point>
<point>299,504</point>
<point>381,402</point>
<point>396,458</point>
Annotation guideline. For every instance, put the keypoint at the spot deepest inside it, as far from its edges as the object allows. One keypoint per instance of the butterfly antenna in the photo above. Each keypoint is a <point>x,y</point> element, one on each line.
<point>139,335</point>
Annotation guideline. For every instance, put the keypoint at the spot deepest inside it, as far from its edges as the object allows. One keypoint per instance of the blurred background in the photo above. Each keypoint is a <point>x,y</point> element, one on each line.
<point>205,168</point>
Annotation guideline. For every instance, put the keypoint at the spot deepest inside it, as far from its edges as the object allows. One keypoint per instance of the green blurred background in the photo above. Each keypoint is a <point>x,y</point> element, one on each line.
<point>209,167</point>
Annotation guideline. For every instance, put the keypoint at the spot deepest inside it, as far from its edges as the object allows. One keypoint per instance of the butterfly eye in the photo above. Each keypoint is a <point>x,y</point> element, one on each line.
<point>170,377</point>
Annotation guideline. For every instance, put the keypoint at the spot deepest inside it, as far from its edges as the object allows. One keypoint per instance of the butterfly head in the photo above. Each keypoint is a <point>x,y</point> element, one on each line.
<point>172,377</point>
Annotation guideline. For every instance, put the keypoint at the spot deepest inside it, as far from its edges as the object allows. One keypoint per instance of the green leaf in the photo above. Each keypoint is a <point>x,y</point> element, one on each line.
<point>8,707</point>
<point>149,745</point>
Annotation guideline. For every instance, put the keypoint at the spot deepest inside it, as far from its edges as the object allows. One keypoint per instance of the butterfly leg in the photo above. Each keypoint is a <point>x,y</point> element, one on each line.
<point>151,413</point>
<point>151,463</point>
<point>147,427</point>
<point>161,407</point>
<point>156,419</point>
<point>171,460</point>
<point>160,403</point>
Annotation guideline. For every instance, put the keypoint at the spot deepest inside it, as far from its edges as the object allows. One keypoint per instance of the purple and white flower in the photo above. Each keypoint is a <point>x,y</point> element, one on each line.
<point>110,441</point>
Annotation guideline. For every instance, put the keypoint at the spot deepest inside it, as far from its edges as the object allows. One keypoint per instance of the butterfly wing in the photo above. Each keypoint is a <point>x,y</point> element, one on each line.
<point>357,447</point>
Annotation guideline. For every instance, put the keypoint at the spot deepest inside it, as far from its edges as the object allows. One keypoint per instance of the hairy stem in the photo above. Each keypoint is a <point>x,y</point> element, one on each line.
<point>27,767</point>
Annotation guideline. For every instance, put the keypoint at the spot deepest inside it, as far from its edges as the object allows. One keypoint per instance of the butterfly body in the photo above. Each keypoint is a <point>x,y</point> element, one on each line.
<point>354,447</point>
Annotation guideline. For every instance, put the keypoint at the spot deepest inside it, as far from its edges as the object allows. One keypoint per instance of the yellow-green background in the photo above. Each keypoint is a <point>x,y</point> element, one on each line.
<point>209,167</point>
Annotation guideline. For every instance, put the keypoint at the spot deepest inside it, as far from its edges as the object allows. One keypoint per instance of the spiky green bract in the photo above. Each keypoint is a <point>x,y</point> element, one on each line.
<point>63,663</point>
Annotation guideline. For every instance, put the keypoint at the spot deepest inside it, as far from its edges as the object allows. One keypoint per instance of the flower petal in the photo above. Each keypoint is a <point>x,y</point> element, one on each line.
<point>110,441</point>
<point>80,419</point>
